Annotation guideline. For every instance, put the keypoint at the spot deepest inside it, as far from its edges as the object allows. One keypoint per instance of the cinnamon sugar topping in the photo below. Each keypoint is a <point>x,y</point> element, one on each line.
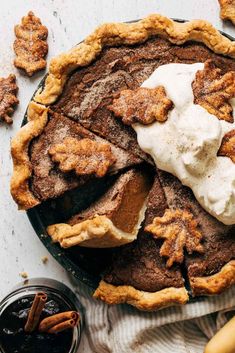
<point>84,156</point>
<point>8,100</point>
<point>143,105</point>
<point>179,230</point>
<point>227,147</point>
<point>213,90</point>
<point>30,46</point>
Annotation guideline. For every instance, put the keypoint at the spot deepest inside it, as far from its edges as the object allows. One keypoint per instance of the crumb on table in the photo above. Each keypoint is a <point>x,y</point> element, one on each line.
<point>24,274</point>
<point>44,259</point>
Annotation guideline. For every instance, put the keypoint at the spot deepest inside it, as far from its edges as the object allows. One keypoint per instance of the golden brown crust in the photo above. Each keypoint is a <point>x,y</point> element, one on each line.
<point>37,119</point>
<point>141,300</point>
<point>123,33</point>
<point>214,284</point>
<point>227,10</point>
<point>97,232</point>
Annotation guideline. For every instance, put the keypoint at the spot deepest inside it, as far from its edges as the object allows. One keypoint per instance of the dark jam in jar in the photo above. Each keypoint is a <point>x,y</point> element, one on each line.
<point>13,339</point>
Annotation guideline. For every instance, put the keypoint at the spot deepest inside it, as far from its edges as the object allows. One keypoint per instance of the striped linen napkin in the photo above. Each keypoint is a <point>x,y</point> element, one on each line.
<point>124,329</point>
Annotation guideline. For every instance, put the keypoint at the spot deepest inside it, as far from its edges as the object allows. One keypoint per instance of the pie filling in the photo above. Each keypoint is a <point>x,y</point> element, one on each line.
<point>83,112</point>
<point>112,220</point>
<point>49,181</point>
<point>139,264</point>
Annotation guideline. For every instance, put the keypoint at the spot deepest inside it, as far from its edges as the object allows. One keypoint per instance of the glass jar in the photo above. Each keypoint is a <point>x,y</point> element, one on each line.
<point>56,292</point>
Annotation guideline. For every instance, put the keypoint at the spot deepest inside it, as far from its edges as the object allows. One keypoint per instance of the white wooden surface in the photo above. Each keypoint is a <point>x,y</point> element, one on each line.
<point>68,22</point>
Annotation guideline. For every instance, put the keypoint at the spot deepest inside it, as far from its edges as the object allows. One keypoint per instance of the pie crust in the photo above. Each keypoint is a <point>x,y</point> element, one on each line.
<point>37,116</point>
<point>214,284</point>
<point>98,232</point>
<point>140,299</point>
<point>124,33</point>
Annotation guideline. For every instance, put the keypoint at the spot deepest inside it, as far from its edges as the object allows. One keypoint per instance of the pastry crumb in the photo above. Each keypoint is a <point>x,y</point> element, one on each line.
<point>44,260</point>
<point>24,274</point>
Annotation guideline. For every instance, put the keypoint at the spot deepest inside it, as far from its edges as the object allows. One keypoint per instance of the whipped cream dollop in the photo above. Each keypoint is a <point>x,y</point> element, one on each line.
<point>186,144</point>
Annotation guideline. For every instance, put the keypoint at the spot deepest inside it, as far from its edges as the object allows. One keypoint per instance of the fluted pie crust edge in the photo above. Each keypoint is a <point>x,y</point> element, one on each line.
<point>214,284</point>
<point>147,301</point>
<point>37,116</point>
<point>112,34</point>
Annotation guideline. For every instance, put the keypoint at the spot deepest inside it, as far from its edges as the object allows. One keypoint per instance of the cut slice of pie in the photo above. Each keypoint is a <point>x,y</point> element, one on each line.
<point>138,274</point>
<point>112,220</point>
<point>50,178</point>
<point>212,271</point>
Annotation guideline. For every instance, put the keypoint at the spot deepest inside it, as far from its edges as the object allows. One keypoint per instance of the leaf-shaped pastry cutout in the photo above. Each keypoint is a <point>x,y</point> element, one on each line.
<point>8,100</point>
<point>227,147</point>
<point>30,46</point>
<point>84,156</point>
<point>213,90</point>
<point>227,10</point>
<point>179,231</point>
<point>142,105</point>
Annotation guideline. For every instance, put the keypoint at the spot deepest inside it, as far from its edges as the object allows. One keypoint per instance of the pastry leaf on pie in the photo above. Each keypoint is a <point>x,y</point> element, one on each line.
<point>8,91</point>
<point>179,231</point>
<point>227,147</point>
<point>213,90</point>
<point>84,156</point>
<point>30,46</point>
<point>142,105</point>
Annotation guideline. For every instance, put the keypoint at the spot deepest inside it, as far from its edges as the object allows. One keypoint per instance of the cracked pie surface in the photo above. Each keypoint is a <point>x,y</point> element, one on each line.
<point>145,110</point>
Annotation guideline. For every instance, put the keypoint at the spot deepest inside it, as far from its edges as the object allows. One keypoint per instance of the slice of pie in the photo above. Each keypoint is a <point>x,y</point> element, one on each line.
<point>54,171</point>
<point>138,274</point>
<point>112,220</point>
<point>73,137</point>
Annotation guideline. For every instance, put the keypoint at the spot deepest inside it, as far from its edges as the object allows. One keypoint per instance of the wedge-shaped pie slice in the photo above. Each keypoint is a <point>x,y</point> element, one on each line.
<point>214,270</point>
<point>111,221</point>
<point>138,274</point>
<point>46,178</point>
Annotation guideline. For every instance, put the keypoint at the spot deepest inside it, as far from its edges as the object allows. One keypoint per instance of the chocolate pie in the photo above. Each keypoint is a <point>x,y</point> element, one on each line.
<point>81,126</point>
